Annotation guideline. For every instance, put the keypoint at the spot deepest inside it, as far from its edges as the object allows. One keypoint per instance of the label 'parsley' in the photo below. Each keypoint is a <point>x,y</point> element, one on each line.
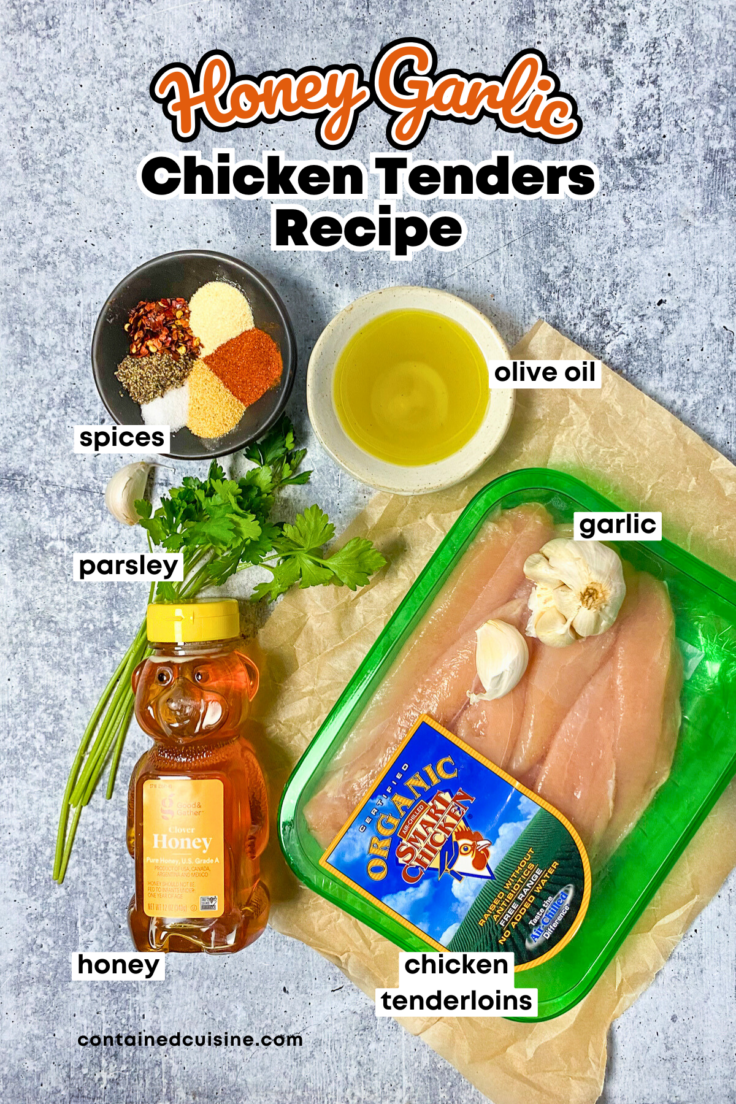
<point>222,526</point>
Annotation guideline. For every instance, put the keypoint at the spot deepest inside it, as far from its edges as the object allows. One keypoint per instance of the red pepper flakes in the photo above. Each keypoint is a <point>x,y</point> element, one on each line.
<point>249,365</point>
<point>161,326</point>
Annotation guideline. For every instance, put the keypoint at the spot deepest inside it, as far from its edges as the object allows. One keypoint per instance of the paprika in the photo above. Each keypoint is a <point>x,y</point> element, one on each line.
<point>248,365</point>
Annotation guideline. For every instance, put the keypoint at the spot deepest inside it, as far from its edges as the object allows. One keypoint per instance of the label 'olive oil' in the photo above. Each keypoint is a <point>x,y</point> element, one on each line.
<point>411,387</point>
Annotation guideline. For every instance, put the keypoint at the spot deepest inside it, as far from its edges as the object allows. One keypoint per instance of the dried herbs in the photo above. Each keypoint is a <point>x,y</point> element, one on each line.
<point>150,377</point>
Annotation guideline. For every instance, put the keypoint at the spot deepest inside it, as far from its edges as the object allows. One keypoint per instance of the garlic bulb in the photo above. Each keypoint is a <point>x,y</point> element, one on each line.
<point>124,488</point>
<point>501,658</point>
<point>579,588</point>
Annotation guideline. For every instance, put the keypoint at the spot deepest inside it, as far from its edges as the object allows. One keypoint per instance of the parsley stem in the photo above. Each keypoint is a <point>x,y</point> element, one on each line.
<point>64,858</point>
<point>195,559</point>
<point>194,584</point>
<point>125,723</point>
<point>120,739</point>
<point>86,737</point>
<point>222,526</point>
<point>118,697</point>
<point>97,754</point>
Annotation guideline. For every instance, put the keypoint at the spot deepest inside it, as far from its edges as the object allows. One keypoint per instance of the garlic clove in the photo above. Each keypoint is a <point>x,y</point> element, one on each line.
<point>582,581</point>
<point>124,488</point>
<point>501,658</point>
<point>553,629</point>
<point>589,622</point>
<point>567,601</point>
<point>547,622</point>
<point>539,570</point>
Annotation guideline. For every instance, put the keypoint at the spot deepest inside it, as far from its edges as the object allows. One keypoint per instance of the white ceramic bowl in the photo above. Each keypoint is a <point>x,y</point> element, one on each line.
<point>360,464</point>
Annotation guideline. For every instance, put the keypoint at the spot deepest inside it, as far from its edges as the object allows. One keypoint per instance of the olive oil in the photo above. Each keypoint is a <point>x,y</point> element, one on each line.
<point>411,387</point>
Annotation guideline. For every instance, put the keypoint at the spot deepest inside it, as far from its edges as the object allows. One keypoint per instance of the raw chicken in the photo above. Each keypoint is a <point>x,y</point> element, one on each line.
<point>578,776</point>
<point>556,677</point>
<point>647,675</point>
<point>439,663</point>
<point>489,574</point>
<point>492,727</point>
<point>591,727</point>
<point>615,747</point>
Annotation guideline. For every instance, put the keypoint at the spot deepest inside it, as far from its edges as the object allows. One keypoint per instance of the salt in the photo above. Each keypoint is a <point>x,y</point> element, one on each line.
<point>171,410</point>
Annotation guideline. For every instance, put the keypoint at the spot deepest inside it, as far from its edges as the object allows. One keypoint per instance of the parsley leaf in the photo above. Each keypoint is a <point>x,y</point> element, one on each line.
<point>166,592</point>
<point>311,529</point>
<point>298,557</point>
<point>355,562</point>
<point>223,525</point>
<point>284,577</point>
<point>276,451</point>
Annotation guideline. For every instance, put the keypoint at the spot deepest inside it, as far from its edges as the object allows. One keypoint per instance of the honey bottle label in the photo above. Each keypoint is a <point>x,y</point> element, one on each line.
<point>183,847</point>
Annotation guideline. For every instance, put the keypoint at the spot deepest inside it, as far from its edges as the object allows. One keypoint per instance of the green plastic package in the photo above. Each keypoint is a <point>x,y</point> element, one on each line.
<point>704,605</point>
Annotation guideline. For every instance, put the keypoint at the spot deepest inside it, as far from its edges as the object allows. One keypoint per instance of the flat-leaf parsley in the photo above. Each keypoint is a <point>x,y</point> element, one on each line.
<point>222,526</point>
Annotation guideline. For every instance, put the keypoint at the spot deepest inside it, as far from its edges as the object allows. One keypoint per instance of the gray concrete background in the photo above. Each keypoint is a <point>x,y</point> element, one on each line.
<point>642,276</point>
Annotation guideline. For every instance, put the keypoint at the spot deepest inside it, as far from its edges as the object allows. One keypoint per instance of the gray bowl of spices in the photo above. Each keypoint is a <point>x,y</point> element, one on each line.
<point>178,276</point>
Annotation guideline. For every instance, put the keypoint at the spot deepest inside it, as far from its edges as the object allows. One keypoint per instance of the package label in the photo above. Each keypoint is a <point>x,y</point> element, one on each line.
<point>183,847</point>
<point>462,854</point>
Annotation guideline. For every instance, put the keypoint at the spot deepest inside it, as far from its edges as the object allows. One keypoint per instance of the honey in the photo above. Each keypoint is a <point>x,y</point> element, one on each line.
<point>197,804</point>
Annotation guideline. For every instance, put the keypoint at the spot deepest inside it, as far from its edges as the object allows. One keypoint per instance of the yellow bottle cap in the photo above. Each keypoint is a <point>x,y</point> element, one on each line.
<point>191,622</point>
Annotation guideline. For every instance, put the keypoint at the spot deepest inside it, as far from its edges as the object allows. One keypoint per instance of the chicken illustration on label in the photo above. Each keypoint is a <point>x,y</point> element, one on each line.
<point>462,855</point>
<point>435,837</point>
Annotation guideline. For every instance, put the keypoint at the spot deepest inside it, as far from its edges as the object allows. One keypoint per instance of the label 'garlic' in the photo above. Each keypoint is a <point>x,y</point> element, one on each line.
<point>578,591</point>
<point>501,657</point>
<point>124,488</point>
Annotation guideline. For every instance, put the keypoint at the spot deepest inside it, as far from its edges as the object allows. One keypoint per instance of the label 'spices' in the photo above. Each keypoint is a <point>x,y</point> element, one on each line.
<point>462,854</point>
<point>183,847</point>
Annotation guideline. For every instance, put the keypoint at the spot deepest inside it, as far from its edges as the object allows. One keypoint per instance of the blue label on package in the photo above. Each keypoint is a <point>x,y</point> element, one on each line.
<point>462,854</point>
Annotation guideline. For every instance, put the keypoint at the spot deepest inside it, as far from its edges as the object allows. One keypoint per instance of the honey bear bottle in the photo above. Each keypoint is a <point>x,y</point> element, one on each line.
<point>197,805</point>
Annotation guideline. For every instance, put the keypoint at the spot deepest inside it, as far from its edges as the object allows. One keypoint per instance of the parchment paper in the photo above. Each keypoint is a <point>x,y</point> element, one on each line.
<point>626,445</point>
